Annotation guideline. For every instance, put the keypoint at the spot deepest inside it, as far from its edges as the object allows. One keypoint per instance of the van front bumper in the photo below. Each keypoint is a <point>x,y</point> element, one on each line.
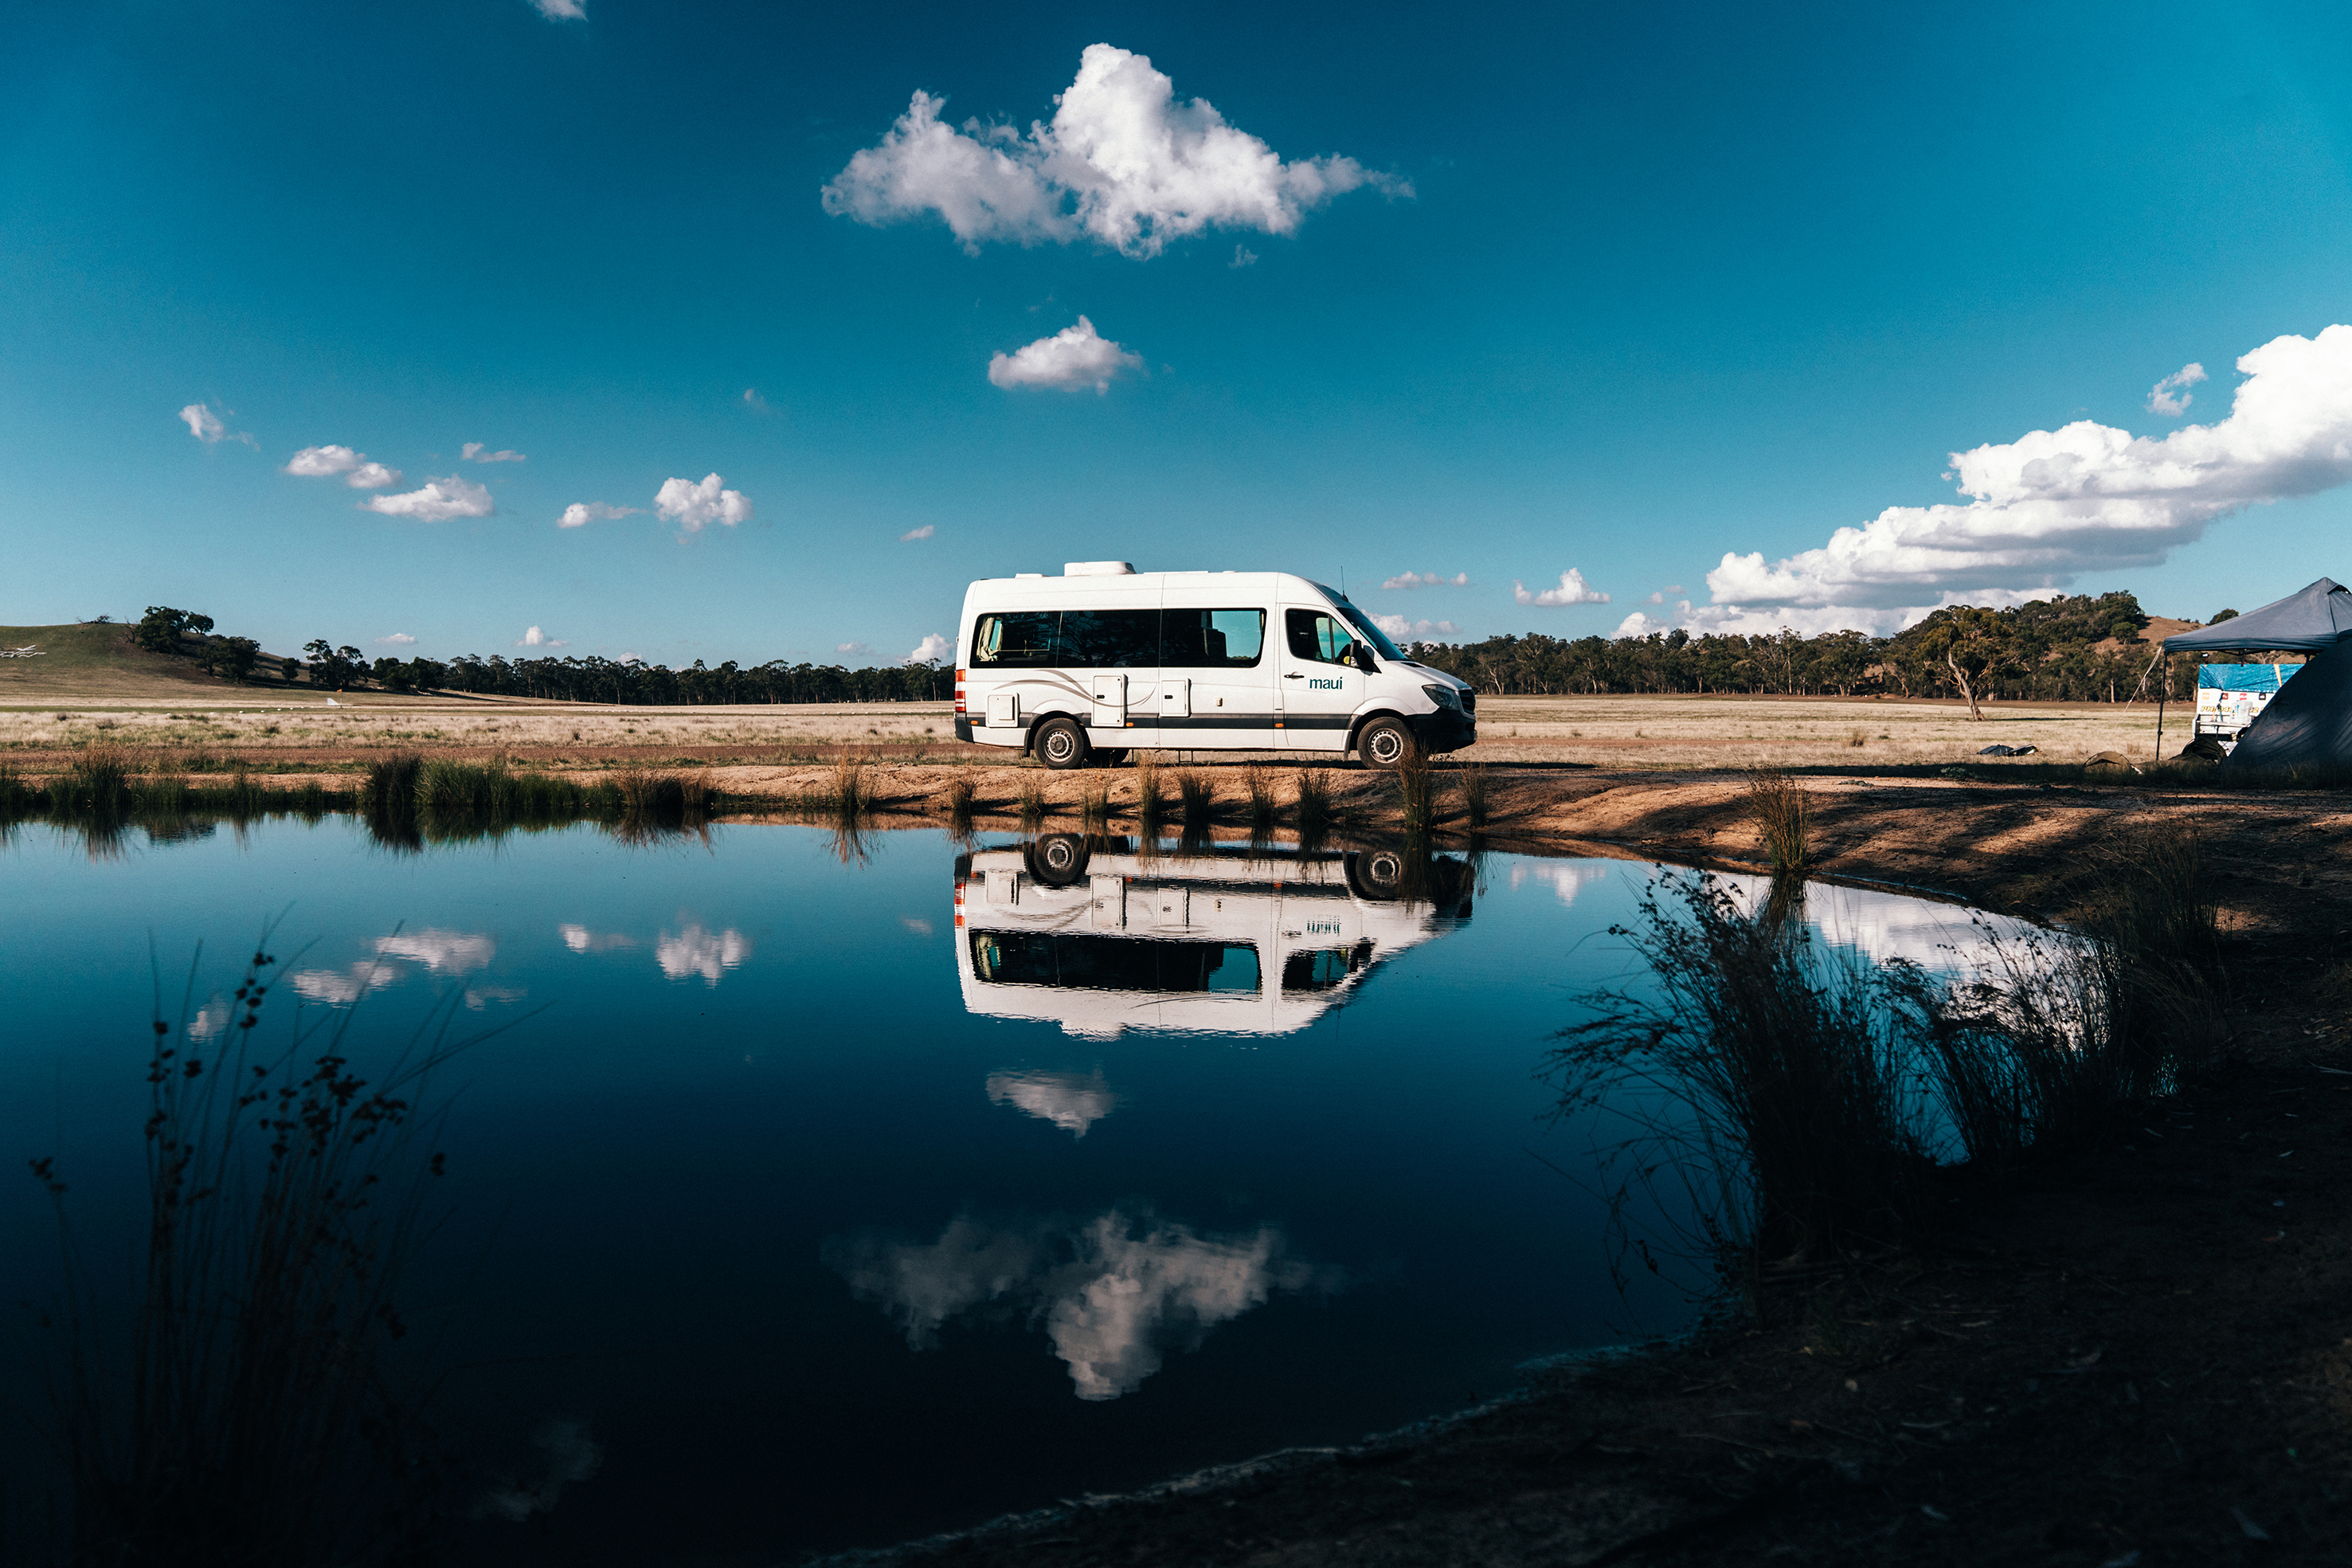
<point>1444,730</point>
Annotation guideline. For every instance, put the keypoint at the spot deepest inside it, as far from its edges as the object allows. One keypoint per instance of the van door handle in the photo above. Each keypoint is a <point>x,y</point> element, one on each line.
<point>1293,677</point>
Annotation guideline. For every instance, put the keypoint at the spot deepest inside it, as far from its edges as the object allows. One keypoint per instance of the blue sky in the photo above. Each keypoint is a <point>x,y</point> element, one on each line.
<point>1622,292</point>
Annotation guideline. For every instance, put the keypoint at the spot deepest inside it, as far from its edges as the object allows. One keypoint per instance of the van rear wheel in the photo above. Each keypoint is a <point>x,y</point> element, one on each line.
<point>1387,743</point>
<point>1060,744</point>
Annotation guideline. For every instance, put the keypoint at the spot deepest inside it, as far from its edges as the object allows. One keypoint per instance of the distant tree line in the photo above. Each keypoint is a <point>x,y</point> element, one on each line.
<point>184,633</point>
<point>2050,649</point>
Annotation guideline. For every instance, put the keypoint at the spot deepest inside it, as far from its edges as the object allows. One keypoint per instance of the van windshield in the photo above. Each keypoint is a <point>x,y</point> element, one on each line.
<point>1370,633</point>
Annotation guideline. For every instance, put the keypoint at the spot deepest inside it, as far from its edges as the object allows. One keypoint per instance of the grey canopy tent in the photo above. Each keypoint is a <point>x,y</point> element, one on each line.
<point>2310,720</point>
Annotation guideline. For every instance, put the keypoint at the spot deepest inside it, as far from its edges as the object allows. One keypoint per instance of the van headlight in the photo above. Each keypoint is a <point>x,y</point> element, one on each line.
<point>1444,696</point>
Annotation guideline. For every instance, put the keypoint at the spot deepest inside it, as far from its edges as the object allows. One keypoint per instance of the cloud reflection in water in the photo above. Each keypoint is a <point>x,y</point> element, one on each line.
<point>1071,1101</point>
<point>1111,1293</point>
<point>695,951</point>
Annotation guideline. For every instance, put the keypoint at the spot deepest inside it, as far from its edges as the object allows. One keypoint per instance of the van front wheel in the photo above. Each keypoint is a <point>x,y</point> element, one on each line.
<point>1060,744</point>
<point>1387,743</point>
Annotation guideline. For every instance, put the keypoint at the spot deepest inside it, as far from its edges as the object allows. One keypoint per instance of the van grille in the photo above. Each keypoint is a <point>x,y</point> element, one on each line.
<point>1469,700</point>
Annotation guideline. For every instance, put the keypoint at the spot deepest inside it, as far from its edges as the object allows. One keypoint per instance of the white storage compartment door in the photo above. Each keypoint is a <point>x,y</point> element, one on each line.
<point>1003,708</point>
<point>1175,697</point>
<point>1109,694</point>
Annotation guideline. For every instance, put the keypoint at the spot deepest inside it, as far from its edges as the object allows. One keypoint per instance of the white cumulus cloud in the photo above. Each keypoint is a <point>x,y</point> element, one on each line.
<point>373,476</point>
<point>437,502</point>
<point>561,10</point>
<point>1123,163</point>
<point>1403,630</point>
<point>1427,579</point>
<point>580,514</point>
<point>397,640</point>
<point>1071,1101</point>
<point>480,452</point>
<point>695,951</point>
<point>926,531</point>
<point>2170,396</point>
<point>319,462</point>
<point>208,427</point>
<point>693,507</point>
<point>2053,504</point>
<point>536,638</point>
<point>1572,590</point>
<point>932,649</point>
<point>1073,358</point>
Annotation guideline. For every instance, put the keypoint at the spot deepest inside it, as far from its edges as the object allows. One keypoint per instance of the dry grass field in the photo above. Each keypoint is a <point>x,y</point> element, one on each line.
<point>276,730</point>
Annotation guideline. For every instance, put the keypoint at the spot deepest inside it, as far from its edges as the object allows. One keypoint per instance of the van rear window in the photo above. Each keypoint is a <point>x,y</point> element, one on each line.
<point>1019,639</point>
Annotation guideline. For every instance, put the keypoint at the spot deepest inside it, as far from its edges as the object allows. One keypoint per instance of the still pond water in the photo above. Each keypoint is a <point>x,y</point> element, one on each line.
<point>836,1200</point>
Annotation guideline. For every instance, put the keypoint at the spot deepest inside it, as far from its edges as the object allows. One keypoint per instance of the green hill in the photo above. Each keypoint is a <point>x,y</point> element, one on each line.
<point>96,660</point>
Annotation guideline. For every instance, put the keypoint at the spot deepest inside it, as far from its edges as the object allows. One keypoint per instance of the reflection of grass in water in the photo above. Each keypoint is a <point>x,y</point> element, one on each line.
<point>1195,798</point>
<point>960,799</point>
<point>249,1419</point>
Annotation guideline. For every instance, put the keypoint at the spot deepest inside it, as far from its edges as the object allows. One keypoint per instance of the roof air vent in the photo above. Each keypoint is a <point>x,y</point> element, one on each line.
<point>1098,568</point>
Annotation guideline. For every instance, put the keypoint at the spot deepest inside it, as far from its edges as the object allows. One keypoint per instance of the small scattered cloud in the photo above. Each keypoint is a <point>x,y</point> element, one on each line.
<point>753,401</point>
<point>1071,1101</point>
<point>580,514</point>
<point>437,502</point>
<point>693,507</point>
<point>208,426</point>
<point>849,647</point>
<point>932,650</point>
<point>1073,358</point>
<point>373,476</point>
<point>916,923</point>
<point>1656,599</point>
<point>1572,590</point>
<point>1404,630</point>
<point>536,638</point>
<point>926,531</point>
<point>2161,399</point>
<point>1242,257</point>
<point>1673,588</point>
<point>397,640</point>
<point>320,462</point>
<point>561,10</point>
<point>478,452</point>
<point>442,952</point>
<point>1123,163</point>
<point>1427,579</point>
<point>581,939</point>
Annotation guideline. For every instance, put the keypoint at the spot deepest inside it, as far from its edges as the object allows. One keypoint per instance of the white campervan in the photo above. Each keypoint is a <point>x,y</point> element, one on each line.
<point>1102,937</point>
<point>1104,659</point>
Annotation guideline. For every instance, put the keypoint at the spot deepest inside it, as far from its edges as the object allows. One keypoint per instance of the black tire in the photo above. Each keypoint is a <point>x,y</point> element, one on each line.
<point>1380,873</point>
<point>1058,860</point>
<point>1060,744</point>
<point>1387,743</point>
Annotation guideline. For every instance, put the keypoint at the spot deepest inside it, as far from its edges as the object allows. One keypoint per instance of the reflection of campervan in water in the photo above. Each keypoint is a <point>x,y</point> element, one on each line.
<point>1100,938</point>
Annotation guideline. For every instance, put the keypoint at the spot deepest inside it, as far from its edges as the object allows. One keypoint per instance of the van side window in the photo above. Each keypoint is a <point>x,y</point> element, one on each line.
<point>1210,639</point>
<point>1322,638</point>
<point>1109,639</point>
<point>1019,639</point>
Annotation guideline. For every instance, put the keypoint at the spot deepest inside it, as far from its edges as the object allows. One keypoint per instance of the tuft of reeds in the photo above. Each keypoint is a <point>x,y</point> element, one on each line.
<point>1258,785</point>
<point>166,795</point>
<point>1416,792</point>
<point>1150,802</point>
<point>1476,797</point>
<point>1030,798</point>
<point>17,798</point>
<point>1094,807</point>
<point>1782,814</point>
<point>249,1418</point>
<point>98,783</point>
<point>1195,798</point>
<point>960,799</point>
<point>1859,738</point>
<point>1784,1054</point>
<point>1315,803</point>
<point>389,792</point>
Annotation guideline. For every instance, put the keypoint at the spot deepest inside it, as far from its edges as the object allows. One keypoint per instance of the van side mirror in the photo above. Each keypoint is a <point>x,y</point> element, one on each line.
<point>1364,660</point>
